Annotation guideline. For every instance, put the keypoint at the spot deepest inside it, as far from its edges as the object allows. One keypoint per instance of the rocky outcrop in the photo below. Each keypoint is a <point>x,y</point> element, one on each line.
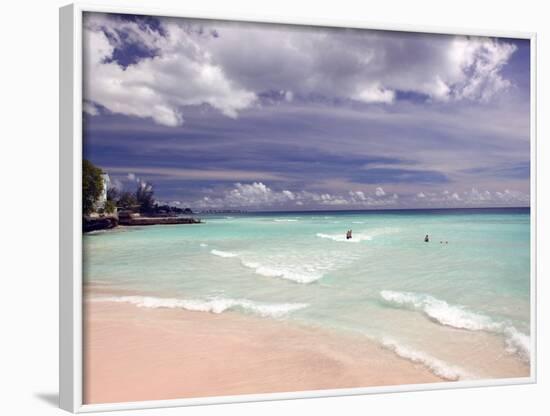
<point>95,223</point>
<point>98,223</point>
<point>138,220</point>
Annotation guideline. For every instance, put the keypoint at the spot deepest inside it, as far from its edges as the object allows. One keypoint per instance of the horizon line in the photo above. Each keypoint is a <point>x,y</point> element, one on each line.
<point>236,210</point>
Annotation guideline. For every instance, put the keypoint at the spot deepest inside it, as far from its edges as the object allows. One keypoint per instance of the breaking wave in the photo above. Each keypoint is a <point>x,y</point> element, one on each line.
<point>215,305</point>
<point>220,253</point>
<point>296,275</point>
<point>441,311</point>
<point>457,317</point>
<point>301,273</point>
<point>357,237</point>
<point>436,366</point>
<point>518,343</point>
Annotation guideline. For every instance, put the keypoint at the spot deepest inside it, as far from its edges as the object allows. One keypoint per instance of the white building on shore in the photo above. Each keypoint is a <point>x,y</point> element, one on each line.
<point>103,197</point>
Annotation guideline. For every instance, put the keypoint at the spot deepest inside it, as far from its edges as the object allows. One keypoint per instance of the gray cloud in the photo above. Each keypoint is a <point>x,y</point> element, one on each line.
<point>227,65</point>
<point>272,117</point>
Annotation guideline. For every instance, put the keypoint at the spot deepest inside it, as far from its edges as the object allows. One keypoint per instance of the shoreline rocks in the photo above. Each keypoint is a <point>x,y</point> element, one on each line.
<point>138,220</point>
<point>98,223</point>
<point>105,222</point>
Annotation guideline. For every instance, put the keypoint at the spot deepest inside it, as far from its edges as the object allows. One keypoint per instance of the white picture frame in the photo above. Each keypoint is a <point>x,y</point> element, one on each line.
<point>70,152</point>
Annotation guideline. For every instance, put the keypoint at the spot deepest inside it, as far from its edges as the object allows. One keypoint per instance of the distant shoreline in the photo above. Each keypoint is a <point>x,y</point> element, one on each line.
<point>383,210</point>
<point>90,224</point>
<point>112,221</point>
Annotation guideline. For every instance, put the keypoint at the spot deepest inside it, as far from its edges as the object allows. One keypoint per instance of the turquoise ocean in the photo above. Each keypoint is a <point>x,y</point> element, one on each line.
<point>459,304</point>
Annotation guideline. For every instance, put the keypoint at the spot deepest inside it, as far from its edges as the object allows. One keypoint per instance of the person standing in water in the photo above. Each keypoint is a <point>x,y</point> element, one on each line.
<point>427,238</point>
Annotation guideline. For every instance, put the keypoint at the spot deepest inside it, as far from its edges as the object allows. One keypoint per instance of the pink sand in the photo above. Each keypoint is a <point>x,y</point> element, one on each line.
<point>134,354</point>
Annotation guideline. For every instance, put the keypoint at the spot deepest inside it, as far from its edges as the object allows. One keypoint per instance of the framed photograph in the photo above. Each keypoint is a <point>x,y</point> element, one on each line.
<point>257,209</point>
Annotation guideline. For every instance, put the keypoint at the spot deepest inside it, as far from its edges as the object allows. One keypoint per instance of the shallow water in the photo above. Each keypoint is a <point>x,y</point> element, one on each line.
<point>460,308</point>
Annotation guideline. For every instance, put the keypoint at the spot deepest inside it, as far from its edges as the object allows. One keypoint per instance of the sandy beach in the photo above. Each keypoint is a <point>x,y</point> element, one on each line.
<point>135,354</point>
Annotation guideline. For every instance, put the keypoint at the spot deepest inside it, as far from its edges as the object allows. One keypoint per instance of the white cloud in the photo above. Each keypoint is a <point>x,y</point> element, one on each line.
<point>358,195</point>
<point>380,192</point>
<point>375,94</point>
<point>475,197</point>
<point>361,65</point>
<point>192,67</point>
<point>479,61</point>
<point>328,199</point>
<point>182,73</point>
<point>250,194</point>
<point>289,195</point>
<point>257,195</point>
<point>90,108</point>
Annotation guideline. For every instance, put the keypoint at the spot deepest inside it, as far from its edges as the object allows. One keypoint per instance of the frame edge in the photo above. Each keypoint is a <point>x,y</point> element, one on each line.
<point>70,295</point>
<point>67,348</point>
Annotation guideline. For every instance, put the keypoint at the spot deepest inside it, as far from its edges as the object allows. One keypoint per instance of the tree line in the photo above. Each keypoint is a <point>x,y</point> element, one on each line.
<point>141,200</point>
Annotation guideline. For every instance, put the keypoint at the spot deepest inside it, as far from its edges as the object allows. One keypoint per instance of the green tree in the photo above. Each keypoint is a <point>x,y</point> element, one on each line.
<point>144,196</point>
<point>92,185</point>
<point>110,206</point>
<point>127,200</point>
<point>113,194</point>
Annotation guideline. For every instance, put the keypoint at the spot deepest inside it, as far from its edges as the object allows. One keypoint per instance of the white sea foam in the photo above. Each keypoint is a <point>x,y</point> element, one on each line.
<point>203,245</point>
<point>213,305</point>
<point>220,253</point>
<point>438,367</point>
<point>304,273</point>
<point>441,311</point>
<point>356,237</point>
<point>458,317</point>
<point>95,232</point>
<point>285,220</point>
<point>518,343</point>
<point>294,274</point>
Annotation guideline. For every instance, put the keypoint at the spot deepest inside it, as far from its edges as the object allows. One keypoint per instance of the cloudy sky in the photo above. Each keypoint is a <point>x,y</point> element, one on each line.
<point>276,117</point>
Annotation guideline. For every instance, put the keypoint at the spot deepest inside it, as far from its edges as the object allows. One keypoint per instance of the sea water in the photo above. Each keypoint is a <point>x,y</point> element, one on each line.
<point>448,303</point>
